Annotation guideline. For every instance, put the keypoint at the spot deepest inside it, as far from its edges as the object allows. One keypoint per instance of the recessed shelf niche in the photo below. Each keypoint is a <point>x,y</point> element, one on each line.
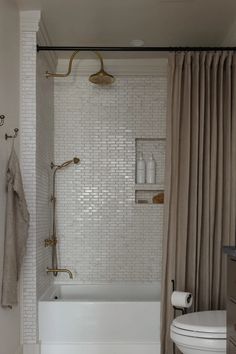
<point>144,193</point>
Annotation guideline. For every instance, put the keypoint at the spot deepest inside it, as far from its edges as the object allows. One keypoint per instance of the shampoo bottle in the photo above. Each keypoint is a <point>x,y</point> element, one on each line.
<point>151,170</point>
<point>141,169</point>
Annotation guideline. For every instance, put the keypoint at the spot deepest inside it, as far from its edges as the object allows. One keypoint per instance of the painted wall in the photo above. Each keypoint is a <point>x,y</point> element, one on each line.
<point>103,235</point>
<point>9,105</point>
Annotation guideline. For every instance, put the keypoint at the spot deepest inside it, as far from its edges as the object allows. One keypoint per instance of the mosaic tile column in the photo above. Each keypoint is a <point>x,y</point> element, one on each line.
<point>29,21</point>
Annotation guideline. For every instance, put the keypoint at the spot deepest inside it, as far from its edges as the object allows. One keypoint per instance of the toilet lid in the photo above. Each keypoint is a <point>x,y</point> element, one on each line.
<point>203,324</point>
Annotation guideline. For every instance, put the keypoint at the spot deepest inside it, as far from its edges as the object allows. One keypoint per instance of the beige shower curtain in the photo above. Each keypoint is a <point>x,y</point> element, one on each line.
<point>200,180</point>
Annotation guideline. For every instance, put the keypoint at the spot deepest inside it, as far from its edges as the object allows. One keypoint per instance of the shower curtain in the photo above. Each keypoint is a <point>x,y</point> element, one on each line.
<point>200,180</point>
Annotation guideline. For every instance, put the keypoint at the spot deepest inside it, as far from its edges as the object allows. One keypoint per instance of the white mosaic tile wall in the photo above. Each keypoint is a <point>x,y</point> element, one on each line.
<point>104,236</point>
<point>36,152</point>
<point>28,167</point>
<point>44,156</point>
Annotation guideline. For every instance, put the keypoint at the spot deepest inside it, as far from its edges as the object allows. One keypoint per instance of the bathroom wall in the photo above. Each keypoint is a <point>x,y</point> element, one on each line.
<point>103,235</point>
<point>9,105</point>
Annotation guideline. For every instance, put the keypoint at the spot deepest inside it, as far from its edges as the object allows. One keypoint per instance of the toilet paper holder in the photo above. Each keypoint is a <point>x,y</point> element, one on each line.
<point>182,309</point>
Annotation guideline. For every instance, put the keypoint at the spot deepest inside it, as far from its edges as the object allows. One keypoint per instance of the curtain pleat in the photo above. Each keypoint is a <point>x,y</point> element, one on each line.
<point>200,191</point>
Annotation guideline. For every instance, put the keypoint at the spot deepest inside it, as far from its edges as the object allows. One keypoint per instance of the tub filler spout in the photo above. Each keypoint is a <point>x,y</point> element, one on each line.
<point>60,270</point>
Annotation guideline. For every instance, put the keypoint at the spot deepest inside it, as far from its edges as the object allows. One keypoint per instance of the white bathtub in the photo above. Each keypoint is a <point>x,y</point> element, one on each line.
<point>100,319</point>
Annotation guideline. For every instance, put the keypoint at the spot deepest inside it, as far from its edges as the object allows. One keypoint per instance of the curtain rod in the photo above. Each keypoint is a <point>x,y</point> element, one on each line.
<point>134,49</point>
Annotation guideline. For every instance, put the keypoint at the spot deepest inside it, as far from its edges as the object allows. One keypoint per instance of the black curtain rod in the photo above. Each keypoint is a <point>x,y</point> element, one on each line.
<point>134,49</point>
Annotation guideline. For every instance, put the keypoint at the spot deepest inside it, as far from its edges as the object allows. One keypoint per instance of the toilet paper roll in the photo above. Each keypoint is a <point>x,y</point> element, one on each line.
<point>181,299</point>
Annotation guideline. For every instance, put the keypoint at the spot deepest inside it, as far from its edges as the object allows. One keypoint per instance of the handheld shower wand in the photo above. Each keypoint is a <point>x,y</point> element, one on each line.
<point>75,160</point>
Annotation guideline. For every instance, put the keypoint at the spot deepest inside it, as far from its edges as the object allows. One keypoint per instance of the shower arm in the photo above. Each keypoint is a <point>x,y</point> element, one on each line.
<point>48,74</point>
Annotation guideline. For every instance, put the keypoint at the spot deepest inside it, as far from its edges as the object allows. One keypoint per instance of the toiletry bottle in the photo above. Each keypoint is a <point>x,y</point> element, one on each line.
<point>151,170</point>
<point>141,169</point>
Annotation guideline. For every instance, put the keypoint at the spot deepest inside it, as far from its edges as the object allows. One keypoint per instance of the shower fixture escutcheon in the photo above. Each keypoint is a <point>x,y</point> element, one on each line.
<point>99,78</point>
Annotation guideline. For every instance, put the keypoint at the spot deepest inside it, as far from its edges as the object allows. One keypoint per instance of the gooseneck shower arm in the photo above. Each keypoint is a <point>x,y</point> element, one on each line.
<point>49,74</point>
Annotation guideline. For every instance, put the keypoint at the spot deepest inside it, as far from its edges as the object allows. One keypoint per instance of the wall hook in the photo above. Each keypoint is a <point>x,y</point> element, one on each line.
<point>2,117</point>
<point>12,136</point>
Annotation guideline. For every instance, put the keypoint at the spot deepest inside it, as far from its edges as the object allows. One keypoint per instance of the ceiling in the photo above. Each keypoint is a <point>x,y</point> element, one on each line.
<point>156,22</point>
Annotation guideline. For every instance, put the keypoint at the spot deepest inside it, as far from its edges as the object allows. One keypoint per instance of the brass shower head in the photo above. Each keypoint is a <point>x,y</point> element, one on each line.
<point>99,78</point>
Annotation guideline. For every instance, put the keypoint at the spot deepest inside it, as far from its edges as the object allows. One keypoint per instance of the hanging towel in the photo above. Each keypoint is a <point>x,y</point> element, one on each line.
<point>16,231</point>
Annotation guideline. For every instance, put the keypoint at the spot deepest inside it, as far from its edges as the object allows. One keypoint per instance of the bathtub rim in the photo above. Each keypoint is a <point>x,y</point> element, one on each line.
<point>54,288</point>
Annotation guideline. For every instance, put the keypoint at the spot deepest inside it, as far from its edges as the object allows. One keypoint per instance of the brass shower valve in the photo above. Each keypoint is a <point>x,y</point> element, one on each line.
<point>50,242</point>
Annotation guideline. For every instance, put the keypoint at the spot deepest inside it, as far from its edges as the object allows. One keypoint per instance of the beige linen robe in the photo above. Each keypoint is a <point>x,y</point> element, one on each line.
<point>16,231</point>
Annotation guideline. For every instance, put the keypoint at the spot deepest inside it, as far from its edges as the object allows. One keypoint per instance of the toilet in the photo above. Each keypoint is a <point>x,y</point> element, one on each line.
<point>200,332</point>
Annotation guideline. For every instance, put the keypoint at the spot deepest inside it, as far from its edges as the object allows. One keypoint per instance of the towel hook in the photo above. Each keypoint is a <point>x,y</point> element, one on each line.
<point>12,136</point>
<point>2,117</point>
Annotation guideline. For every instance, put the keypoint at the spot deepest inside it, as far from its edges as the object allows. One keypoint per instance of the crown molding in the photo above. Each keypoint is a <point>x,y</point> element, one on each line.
<point>118,67</point>
<point>43,38</point>
<point>29,21</point>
